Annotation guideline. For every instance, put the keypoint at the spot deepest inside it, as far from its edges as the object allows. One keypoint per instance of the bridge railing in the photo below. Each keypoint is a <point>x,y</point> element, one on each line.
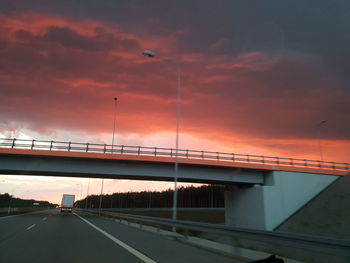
<point>169,152</point>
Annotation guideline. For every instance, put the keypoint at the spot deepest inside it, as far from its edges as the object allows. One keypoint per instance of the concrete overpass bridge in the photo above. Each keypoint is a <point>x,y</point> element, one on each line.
<point>262,191</point>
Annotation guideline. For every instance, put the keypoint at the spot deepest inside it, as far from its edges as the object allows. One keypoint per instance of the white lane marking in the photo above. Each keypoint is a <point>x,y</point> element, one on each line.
<point>35,212</point>
<point>30,227</point>
<point>4,217</point>
<point>120,243</point>
<point>44,219</point>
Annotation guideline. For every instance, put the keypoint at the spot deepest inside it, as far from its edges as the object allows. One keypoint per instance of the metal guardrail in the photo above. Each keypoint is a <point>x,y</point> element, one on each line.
<point>169,152</point>
<point>192,209</point>
<point>318,245</point>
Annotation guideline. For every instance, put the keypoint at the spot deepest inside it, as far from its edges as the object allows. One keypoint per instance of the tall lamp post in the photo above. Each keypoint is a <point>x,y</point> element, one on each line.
<point>79,193</point>
<point>176,167</point>
<point>152,54</point>
<point>319,125</point>
<point>114,124</point>
<point>11,197</point>
<point>87,194</point>
<point>9,208</point>
<point>99,208</point>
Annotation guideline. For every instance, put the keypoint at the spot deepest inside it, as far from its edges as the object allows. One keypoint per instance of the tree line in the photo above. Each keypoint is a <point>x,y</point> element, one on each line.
<point>9,200</point>
<point>187,197</point>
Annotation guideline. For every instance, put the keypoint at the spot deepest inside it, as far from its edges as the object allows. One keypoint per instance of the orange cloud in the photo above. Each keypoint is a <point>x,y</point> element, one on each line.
<point>62,74</point>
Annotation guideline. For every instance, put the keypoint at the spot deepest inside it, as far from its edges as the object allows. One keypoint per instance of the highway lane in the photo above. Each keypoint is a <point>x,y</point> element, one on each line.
<point>58,238</point>
<point>50,236</point>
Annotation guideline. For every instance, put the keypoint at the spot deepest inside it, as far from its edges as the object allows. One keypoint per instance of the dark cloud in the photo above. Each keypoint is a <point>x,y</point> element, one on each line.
<point>246,26</point>
<point>267,70</point>
<point>279,95</point>
<point>68,38</point>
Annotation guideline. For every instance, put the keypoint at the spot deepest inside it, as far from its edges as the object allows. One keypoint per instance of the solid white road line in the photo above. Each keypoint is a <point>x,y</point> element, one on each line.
<point>120,243</point>
<point>30,227</point>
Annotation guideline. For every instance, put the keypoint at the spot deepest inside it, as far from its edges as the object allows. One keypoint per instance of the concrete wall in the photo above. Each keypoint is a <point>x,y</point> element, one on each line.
<point>326,215</point>
<point>245,208</point>
<point>267,206</point>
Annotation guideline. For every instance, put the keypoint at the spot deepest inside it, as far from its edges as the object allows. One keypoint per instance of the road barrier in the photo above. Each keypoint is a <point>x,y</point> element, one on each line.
<point>301,247</point>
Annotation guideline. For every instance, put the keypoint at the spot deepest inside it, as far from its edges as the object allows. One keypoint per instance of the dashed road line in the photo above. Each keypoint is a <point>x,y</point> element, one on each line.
<point>30,227</point>
<point>44,218</point>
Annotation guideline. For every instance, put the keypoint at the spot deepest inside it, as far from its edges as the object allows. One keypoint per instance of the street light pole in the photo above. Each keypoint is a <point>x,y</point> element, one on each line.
<point>319,138</point>
<point>87,195</point>
<point>176,167</point>
<point>99,209</point>
<point>152,54</point>
<point>79,194</point>
<point>9,208</point>
<point>11,197</point>
<point>114,122</point>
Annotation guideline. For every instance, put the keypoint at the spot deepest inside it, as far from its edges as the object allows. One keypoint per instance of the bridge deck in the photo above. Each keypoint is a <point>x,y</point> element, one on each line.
<point>161,159</point>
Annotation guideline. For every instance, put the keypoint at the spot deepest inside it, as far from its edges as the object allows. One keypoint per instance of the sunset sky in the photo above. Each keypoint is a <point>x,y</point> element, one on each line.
<point>257,77</point>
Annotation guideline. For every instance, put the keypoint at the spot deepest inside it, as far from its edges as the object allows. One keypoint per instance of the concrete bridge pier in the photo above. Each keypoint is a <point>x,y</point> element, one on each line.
<point>268,205</point>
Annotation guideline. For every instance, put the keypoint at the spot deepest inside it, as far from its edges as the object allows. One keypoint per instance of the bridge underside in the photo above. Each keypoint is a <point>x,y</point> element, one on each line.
<point>126,169</point>
<point>265,197</point>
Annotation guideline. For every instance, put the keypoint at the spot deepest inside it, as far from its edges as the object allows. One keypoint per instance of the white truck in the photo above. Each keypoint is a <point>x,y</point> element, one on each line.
<point>67,203</point>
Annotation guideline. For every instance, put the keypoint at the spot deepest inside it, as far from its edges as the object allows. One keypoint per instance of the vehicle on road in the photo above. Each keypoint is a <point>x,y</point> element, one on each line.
<point>67,203</point>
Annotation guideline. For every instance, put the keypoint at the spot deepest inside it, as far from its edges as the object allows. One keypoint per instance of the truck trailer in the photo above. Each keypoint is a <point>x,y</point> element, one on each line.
<point>67,203</point>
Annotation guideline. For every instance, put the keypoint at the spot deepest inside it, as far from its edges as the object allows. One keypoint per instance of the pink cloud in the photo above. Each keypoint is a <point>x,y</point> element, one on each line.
<point>58,73</point>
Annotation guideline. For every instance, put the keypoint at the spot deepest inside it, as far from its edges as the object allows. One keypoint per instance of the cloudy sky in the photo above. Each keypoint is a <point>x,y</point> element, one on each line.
<point>257,77</point>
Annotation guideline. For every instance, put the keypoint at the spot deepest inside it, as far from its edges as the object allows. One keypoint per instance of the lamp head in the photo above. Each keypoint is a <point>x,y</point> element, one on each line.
<point>149,53</point>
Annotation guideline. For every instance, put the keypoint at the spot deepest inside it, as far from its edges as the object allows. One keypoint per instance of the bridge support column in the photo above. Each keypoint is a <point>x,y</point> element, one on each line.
<point>267,206</point>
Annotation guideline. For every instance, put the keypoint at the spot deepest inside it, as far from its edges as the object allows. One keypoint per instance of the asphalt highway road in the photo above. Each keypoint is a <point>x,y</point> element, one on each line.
<point>51,236</point>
